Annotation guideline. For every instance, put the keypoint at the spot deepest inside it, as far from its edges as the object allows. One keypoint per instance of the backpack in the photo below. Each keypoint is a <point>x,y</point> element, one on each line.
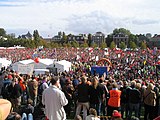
<point>40,89</point>
<point>5,91</point>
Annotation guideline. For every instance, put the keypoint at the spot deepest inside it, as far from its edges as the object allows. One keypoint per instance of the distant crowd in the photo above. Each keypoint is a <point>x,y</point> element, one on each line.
<point>129,90</point>
<point>80,54</point>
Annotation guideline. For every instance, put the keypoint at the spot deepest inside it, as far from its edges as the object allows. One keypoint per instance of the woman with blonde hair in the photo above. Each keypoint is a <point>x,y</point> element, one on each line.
<point>92,115</point>
<point>149,102</point>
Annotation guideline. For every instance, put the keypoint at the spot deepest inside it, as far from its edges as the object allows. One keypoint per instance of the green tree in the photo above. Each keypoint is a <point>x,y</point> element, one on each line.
<point>109,39</point>
<point>75,44</point>
<point>54,45</point>
<point>133,38</point>
<point>69,45</point>
<point>143,45</point>
<point>89,39</point>
<point>103,45</point>
<point>112,45</point>
<point>30,44</point>
<point>94,45</point>
<point>122,45</point>
<point>132,45</point>
<point>64,37</point>
<point>2,32</point>
<point>36,37</point>
<point>121,30</point>
<point>84,45</point>
<point>64,45</point>
<point>43,43</point>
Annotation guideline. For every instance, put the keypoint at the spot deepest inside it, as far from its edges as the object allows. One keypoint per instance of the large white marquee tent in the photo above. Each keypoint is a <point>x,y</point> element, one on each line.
<point>4,62</point>
<point>28,66</point>
<point>63,65</point>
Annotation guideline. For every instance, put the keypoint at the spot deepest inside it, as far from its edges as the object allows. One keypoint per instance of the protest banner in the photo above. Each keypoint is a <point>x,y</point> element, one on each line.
<point>25,69</point>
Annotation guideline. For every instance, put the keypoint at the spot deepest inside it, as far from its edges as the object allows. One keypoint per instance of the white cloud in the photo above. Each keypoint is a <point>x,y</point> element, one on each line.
<point>76,16</point>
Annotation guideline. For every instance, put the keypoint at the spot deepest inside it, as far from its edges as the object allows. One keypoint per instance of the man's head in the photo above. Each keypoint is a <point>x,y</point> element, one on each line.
<point>83,79</point>
<point>55,81</point>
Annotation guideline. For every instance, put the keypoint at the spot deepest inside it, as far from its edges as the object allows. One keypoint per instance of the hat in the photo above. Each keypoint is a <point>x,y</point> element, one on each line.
<point>116,114</point>
<point>10,77</point>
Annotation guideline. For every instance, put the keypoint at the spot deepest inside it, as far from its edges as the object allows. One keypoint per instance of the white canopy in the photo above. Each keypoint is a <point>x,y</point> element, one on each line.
<point>25,62</point>
<point>63,65</point>
<point>24,66</point>
<point>41,71</point>
<point>43,63</point>
<point>4,62</point>
<point>30,65</point>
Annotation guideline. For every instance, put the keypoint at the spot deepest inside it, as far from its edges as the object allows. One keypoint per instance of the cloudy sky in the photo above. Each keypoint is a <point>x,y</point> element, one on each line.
<point>79,16</point>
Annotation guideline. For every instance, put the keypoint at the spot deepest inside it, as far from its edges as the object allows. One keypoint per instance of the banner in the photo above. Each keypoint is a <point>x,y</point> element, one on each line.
<point>100,70</point>
<point>25,69</point>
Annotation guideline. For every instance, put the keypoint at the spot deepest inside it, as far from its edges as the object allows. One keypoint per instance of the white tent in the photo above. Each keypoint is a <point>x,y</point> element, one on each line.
<point>30,65</point>
<point>4,62</point>
<point>15,47</point>
<point>43,63</point>
<point>41,71</point>
<point>24,66</point>
<point>63,65</point>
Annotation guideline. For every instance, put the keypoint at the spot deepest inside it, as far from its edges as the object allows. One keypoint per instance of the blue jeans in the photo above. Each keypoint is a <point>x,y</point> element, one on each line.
<point>24,116</point>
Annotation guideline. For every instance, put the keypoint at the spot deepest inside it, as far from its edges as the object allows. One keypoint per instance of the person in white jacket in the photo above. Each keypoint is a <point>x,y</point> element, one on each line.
<point>54,100</point>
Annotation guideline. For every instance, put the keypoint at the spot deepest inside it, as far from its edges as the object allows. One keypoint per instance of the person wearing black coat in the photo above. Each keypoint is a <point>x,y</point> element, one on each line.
<point>15,94</point>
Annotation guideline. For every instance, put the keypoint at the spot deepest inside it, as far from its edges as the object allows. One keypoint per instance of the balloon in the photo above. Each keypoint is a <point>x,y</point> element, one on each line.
<point>36,60</point>
<point>106,60</point>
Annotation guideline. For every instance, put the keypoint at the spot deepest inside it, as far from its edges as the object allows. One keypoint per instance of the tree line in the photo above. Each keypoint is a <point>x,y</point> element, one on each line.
<point>37,40</point>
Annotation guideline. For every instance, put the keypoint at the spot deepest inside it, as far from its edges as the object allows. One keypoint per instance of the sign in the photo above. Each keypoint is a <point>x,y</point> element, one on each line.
<point>100,70</point>
<point>25,69</point>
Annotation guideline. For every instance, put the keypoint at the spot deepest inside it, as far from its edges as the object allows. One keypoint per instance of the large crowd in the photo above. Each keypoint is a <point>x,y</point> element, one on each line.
<point>129,90</point>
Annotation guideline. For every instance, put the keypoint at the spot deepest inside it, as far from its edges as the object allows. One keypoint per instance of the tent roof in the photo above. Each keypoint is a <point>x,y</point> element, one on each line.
<point>46,70</point>
<point>64,62</point>
<point>46,61</point>
<point>26,61</point>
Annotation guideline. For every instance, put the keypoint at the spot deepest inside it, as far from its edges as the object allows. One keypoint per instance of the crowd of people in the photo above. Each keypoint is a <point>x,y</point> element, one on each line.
<point>129,90</point>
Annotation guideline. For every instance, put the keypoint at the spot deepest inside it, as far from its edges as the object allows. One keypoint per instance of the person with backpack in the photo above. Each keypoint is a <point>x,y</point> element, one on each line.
<point>6,82</point>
